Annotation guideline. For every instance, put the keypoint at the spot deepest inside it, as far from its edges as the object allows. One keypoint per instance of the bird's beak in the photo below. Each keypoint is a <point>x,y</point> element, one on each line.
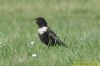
<point>34,20</point>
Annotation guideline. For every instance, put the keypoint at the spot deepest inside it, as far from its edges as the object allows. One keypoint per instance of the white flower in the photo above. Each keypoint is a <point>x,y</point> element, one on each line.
<point>34,55</point>
<point>32,42</point>
<point>81,39</point>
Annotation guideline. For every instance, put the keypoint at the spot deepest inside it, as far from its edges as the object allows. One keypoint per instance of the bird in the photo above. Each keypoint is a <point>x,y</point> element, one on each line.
<point>46,35</point>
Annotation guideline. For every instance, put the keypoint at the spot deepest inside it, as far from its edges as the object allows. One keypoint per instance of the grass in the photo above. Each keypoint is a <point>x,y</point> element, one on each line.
<point>78,20</point>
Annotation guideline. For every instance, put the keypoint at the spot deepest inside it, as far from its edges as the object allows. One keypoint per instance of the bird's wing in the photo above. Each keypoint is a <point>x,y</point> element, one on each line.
<point>54,36</point>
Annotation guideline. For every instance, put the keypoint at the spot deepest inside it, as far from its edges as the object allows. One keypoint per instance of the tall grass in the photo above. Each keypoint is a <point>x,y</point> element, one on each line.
<point>78,20</point>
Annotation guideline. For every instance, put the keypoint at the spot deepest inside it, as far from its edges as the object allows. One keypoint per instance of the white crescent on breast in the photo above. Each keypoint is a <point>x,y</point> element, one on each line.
<point>42,30</point>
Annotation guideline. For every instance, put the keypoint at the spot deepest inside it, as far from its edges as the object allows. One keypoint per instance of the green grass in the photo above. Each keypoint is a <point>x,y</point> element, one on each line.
<point>78,20</point>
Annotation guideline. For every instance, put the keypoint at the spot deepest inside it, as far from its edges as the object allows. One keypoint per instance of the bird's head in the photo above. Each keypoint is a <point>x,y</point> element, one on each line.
<point>41,22</point>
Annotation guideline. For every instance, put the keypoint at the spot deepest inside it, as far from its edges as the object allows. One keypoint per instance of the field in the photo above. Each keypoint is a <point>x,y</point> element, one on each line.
<point>77,20</point>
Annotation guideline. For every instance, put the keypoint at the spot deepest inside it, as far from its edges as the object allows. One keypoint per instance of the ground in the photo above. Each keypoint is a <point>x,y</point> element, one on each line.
<point>76,22</point>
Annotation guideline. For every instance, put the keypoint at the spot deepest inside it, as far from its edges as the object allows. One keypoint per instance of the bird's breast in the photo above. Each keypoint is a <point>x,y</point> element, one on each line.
<point>42,30</point>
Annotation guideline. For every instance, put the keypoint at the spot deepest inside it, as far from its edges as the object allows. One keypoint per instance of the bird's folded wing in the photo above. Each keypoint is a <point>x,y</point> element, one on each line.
<point>53,35</point>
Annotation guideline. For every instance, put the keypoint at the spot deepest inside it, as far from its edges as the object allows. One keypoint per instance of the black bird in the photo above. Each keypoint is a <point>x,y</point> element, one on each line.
<point>46,35</point>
